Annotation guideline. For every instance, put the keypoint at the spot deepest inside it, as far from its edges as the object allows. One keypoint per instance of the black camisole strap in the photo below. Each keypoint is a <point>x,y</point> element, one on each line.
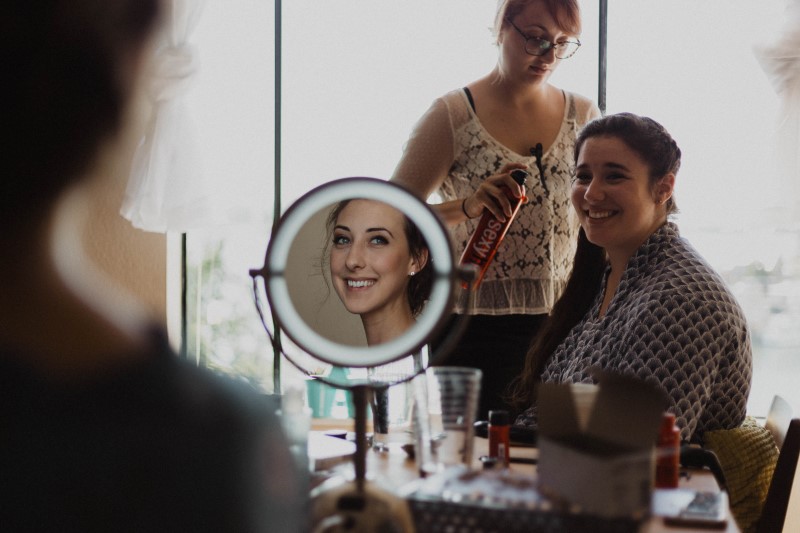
<point>469,97</point>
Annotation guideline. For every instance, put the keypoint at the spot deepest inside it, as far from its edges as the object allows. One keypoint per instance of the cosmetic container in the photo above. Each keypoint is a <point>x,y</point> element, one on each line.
<point>668,453</point>
<point>499,436</point>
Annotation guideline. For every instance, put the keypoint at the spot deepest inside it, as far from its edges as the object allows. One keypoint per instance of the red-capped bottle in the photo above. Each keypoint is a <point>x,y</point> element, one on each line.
<point>499,436</point>
<point>668,453</point>
<point>490,232</point>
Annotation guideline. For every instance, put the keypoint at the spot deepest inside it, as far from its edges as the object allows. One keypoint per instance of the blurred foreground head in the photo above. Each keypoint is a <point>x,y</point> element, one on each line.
<point>69,68</point>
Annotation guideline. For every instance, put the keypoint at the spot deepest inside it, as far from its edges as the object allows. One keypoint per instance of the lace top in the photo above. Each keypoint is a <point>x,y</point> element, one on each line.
<point>532,264</point>
<point>674,323</point>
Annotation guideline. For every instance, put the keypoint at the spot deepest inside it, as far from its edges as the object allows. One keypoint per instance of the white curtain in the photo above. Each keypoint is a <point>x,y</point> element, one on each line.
<point>166,190</point>
<point>781,62</point>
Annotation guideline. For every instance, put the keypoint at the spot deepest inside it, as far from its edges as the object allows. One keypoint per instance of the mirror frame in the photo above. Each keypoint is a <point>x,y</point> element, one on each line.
<point>442,295</point>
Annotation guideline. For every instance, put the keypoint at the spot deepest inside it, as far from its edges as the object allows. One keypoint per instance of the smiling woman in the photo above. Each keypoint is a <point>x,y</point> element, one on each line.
<point>379,266</point>
<point>640,300</point>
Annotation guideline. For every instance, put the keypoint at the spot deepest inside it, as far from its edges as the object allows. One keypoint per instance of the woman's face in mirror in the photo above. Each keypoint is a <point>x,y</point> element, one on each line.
<point>370,259</point>
<point>359,238</point>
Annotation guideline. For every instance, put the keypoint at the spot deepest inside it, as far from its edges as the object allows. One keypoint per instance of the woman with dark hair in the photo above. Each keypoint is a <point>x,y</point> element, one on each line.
<point>104,427</point>
<point>640,300</point>
<point>381,270</point>
<point>379,266</point>
<point>464,149</point>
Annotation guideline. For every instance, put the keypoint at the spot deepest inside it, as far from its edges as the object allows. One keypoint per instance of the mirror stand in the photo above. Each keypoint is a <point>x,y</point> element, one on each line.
<point>360,400</point>
<point>359,505</point>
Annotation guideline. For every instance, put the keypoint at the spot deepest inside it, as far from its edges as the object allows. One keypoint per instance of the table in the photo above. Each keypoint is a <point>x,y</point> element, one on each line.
<point>394,469</point>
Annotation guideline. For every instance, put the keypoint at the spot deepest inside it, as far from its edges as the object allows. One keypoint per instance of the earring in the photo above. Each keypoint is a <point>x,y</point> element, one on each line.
<point>411,273</point>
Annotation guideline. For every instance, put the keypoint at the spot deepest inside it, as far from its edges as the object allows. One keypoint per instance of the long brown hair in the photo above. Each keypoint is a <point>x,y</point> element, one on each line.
<point>579,293</point>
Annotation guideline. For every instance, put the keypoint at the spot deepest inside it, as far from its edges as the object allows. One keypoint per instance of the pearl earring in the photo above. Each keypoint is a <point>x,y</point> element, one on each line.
<point>411,273</point>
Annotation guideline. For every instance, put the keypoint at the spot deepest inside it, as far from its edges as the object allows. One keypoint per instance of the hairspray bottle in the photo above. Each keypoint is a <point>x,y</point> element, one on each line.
<point>483,244</point>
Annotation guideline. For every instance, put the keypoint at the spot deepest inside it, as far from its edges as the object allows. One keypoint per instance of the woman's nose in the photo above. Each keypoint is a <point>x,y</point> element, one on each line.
<point>355,258</point>
<point>550,55</point>
<point>594,190</point>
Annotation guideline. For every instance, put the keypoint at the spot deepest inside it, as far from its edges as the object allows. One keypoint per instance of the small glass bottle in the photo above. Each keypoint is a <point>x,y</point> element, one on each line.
<point>668,453</point>
<point>499,441</point>
<point>490,232</point>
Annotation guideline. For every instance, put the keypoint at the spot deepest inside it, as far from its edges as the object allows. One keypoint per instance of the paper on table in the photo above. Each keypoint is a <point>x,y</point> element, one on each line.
<point>325,452</point>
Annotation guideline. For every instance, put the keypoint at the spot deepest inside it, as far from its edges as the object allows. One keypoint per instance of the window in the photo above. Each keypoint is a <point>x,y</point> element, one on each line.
<point>690,65</point>
<point>357,75</point>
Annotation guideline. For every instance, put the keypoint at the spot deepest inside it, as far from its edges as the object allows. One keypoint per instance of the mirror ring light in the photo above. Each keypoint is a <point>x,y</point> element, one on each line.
<point>436,310</point>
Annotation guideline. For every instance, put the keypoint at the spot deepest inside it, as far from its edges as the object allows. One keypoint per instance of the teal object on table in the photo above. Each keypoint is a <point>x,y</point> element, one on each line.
<point>329,402</point>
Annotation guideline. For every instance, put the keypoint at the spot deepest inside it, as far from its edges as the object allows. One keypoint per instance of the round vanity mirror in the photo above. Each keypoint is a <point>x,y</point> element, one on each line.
<point>344,250</point>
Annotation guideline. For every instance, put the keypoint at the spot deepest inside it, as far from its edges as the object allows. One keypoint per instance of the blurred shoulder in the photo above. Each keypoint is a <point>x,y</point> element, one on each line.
<point>196,395</point>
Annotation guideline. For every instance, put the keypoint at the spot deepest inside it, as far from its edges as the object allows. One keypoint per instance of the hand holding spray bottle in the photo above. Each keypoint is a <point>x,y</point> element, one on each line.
<point>490,232</point>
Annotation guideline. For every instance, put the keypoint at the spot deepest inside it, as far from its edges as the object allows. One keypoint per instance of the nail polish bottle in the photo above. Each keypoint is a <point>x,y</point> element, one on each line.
<point>490,232</point>
<point>499,436</point>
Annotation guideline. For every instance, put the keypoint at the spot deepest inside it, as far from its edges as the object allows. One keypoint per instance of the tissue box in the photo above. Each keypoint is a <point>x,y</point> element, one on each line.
<point>606,466</point>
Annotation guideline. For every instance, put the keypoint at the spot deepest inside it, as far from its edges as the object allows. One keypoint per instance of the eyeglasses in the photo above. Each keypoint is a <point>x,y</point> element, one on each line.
<point>537,46</point>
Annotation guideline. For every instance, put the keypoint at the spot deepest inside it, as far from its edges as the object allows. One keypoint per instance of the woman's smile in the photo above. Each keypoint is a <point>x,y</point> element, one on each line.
<point>359,284</point>
<point>600,215</point>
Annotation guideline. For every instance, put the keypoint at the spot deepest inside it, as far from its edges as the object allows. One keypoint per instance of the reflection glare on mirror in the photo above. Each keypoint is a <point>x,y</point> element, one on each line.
<point>313,271</point>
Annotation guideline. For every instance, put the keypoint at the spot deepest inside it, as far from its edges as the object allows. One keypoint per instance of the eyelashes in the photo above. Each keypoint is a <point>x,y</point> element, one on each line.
<point>343,240</point>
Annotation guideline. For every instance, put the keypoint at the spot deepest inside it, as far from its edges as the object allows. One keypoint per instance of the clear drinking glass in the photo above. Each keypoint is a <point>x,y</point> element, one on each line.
<point>447,403</point>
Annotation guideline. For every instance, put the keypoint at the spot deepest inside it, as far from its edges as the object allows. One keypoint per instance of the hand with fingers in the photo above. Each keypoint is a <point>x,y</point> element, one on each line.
<point>492,195</point>
<point>505,194</point>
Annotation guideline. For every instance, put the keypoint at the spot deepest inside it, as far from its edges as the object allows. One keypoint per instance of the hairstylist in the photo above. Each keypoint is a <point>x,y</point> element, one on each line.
<point>464,148</point>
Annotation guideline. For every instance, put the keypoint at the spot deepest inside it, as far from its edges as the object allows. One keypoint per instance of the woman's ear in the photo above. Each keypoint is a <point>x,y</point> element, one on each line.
<point>664,188</point>
<point>419,262</point>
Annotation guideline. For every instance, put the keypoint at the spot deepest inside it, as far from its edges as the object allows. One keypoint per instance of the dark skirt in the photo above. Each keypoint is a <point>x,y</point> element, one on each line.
<point>497,345</point>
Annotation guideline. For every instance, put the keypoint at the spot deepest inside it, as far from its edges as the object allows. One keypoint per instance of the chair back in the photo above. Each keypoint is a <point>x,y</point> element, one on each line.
<point>778,419</point>
<point>786,432</point>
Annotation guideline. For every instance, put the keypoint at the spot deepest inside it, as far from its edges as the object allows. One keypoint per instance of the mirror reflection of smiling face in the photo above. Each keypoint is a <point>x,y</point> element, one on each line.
<point>371,265</point>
